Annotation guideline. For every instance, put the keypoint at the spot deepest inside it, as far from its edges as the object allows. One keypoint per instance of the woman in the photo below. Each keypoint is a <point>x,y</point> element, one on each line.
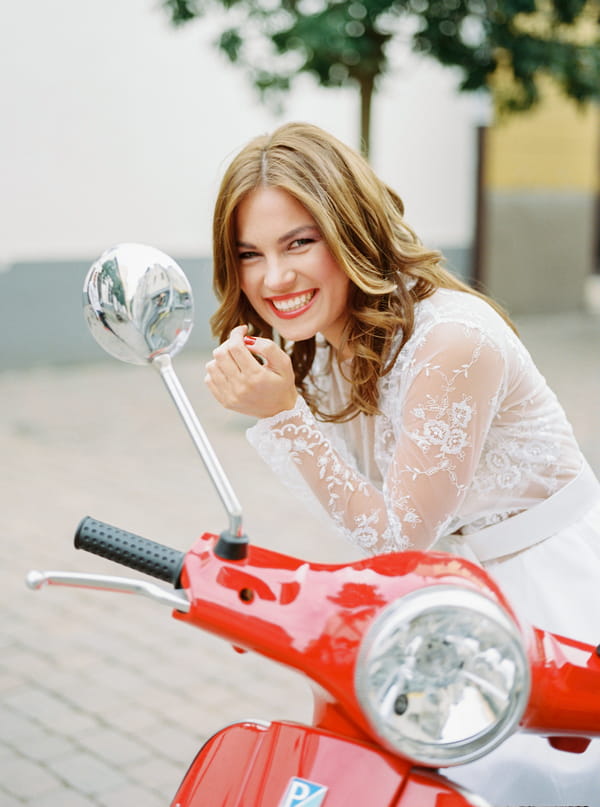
<point>400,401</point>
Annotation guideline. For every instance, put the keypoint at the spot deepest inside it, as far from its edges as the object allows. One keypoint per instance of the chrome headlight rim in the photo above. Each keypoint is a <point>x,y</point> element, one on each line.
<point>422,602</point>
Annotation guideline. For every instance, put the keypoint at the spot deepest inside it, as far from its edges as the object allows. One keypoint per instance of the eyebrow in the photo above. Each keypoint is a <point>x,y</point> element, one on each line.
<point>285,237</point>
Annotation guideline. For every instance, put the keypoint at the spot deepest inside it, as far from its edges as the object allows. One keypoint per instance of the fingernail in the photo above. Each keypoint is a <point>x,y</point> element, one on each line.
<point>249,340</point>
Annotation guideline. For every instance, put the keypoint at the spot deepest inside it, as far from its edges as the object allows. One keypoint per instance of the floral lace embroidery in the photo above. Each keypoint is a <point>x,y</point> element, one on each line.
<point>493,443</point>
<point>294,436</point>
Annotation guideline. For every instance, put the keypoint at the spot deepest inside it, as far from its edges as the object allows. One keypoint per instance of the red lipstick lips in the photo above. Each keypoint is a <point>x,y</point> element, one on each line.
<point>288,306</point>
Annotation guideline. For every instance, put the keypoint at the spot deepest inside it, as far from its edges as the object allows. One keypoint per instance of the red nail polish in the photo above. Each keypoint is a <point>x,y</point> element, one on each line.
<point>249,340</point>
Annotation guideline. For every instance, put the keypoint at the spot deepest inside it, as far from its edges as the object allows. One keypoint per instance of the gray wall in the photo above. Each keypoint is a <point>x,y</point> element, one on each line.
<point>539,249</point>
<point>41,320</point>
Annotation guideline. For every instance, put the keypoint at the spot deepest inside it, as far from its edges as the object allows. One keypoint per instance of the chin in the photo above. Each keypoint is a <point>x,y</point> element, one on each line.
<point>295,335</point>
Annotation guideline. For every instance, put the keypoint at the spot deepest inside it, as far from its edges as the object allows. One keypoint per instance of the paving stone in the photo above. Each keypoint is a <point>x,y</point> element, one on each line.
<point>9,682</point>
<point>161,775</point>
<point>37,704</point>
<point>14,724</point>
<point>66,798</point>
<point>118,677</point>
<point>134,720</point>
<point>86,773</point>
<point>6,800</point>
<point>114,747</point>
<point>42,746</point>
<point>47,711</point>
<point>26,780</point>
<point>26,661</point>
<point>173,742</point>
<point>132,795</point>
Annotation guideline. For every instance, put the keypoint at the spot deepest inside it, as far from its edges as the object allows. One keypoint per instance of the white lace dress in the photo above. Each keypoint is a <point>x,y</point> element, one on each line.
<point>469,435</point>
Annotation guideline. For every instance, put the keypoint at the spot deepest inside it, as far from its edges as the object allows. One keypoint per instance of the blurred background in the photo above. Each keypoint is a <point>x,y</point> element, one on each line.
<point>116,126</point>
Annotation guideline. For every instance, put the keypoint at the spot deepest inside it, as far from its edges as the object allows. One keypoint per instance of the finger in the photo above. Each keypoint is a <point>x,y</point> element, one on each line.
<point>224,376</point>
<point>275,358</point>
<point>235,337</point>
<point>226,356</point>
<point>239,332</point>
<point>214,370</point>
<point>214,386</point>
<point>215,379</point>
<point>238,347</point>
<point>233,348</point>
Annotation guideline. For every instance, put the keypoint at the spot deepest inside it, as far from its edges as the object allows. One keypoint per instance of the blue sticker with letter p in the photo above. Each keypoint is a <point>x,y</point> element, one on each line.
<point>302,793</point>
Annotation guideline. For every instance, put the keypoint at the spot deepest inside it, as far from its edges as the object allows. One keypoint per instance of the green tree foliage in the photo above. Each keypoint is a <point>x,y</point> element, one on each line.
<point>507,44</point>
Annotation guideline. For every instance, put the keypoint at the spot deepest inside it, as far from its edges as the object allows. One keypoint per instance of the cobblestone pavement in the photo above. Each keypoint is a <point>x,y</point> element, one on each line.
<point>104,699</point>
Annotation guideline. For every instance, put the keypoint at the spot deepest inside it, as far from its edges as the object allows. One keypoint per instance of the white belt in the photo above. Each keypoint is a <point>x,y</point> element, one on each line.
<point>538,522</point>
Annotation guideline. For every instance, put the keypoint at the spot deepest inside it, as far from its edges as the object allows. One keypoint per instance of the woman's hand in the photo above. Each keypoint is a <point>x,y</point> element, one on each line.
<point>241,383</point>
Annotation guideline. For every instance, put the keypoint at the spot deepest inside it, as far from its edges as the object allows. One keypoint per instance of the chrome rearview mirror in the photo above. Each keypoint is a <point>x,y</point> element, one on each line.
<point>138,305</point>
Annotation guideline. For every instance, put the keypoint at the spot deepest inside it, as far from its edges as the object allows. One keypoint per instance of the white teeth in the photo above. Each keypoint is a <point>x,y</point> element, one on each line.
<point>293,302</point>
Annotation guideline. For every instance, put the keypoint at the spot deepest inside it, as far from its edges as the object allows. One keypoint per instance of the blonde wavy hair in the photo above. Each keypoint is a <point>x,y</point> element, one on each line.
<point>362,223</point>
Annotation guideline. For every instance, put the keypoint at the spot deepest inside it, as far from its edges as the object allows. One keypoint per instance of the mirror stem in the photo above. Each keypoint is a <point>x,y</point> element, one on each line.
<point>163,364</point>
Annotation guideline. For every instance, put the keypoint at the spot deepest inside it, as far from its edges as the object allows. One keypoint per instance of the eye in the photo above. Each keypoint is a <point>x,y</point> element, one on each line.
<point>247,255</point>
<point>301,242</point>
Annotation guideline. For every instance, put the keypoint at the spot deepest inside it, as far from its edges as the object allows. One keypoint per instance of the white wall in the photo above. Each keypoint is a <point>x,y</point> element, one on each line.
<point>115,126</point>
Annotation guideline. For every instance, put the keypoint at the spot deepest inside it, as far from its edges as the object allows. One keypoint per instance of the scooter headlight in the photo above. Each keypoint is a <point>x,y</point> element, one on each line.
<point>442,675</point>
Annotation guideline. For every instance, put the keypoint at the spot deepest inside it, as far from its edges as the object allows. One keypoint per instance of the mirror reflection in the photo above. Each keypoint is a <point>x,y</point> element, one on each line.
<point>138,303</point>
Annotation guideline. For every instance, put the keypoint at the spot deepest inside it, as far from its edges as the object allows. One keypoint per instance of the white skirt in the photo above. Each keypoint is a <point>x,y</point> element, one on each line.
<point>554,585</point>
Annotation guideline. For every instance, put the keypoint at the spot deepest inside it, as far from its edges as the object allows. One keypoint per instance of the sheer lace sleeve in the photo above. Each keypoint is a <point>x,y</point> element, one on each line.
<point>297,448</point>
<point>441,402</point>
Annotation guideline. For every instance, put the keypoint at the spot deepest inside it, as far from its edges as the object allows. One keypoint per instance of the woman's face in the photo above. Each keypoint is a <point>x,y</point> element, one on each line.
<point>286,269</point>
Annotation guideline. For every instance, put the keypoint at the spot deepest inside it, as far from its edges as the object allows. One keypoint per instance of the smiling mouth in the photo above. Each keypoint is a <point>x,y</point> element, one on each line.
<point>292,303</point>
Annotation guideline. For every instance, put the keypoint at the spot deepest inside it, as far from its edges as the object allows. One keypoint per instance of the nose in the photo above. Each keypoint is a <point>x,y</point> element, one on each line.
<point>279,277</point>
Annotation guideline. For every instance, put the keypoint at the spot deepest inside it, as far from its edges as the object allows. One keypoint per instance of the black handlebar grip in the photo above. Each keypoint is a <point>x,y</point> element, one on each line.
<point>130,550</point>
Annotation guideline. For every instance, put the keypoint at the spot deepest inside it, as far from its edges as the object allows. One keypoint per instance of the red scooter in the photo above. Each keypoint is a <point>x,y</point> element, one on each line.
<point>416,659</point>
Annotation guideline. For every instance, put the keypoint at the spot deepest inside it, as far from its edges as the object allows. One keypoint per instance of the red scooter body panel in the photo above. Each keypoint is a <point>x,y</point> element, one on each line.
<point>565,695</point>
<point>281,764</point>
<point>312,616</point>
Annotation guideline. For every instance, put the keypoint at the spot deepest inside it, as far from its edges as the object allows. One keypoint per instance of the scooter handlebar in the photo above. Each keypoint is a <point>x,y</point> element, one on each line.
<point>129,549</point>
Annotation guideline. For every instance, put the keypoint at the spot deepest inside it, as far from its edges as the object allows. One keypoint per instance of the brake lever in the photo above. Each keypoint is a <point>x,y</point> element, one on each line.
<point>177,600</point>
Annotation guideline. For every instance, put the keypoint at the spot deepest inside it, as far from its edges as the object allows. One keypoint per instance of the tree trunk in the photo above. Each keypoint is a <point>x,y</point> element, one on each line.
<point>367,86</point>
